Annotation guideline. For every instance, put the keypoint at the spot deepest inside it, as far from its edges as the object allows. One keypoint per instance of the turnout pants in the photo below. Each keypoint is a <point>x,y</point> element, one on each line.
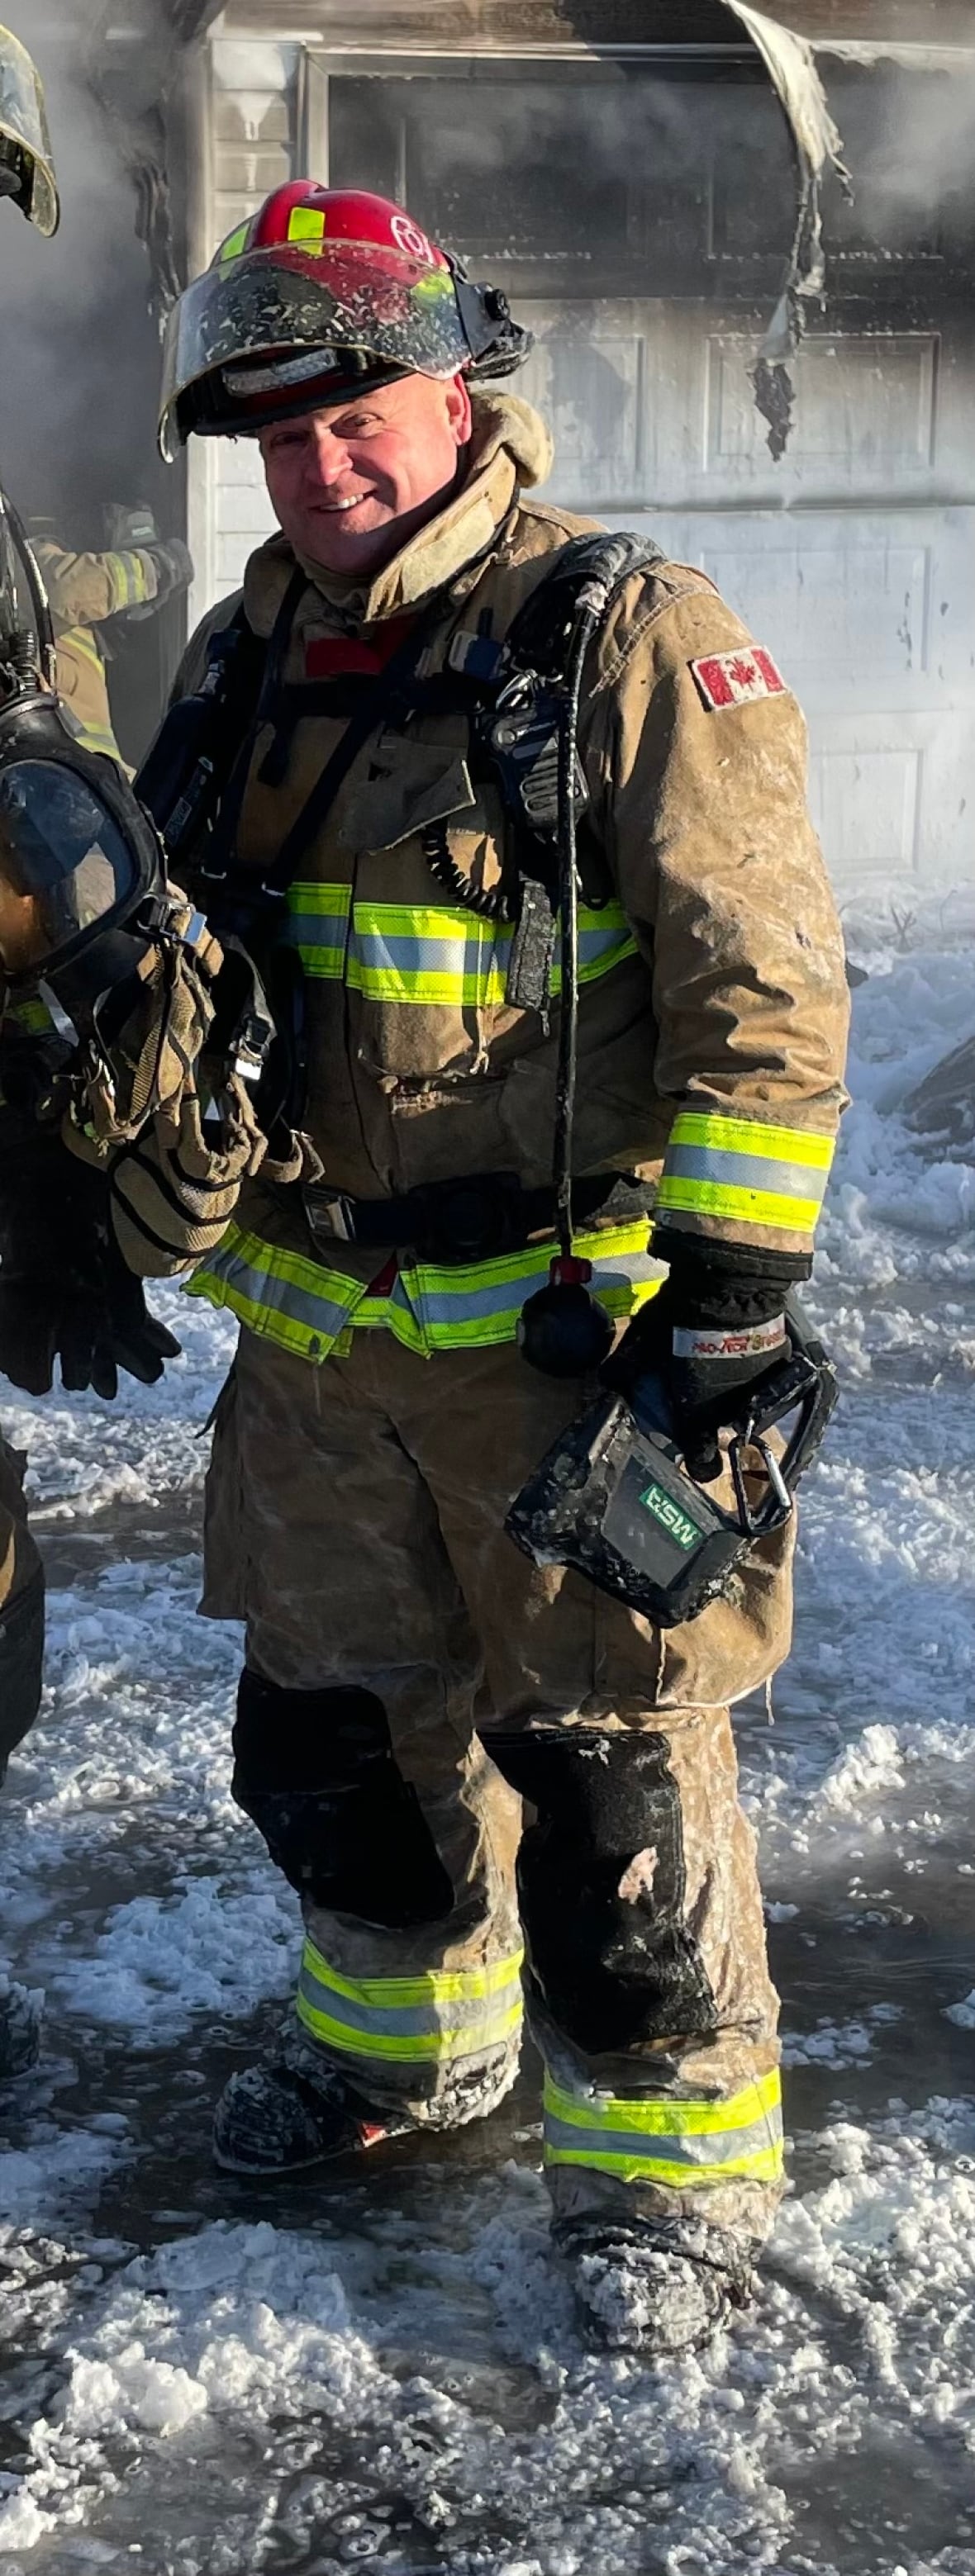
<point>453,1754</point>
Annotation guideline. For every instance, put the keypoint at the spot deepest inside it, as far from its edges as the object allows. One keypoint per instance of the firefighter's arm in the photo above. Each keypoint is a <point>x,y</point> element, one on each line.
<point>84,589</point>
<point>701,755</point>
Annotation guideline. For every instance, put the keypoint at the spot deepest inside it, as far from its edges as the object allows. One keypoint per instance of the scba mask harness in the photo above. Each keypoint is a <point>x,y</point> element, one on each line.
<point>83,897</point>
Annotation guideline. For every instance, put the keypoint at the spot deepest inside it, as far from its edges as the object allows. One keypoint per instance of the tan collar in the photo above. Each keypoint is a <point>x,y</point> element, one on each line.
<point>510,447</point>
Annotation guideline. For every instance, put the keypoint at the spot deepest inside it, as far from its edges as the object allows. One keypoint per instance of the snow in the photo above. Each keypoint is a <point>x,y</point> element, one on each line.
<point>381,2367</point>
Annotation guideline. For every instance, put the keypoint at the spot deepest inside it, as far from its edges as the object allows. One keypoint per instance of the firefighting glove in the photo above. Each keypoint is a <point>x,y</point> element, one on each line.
<point>174,1191</point>
<point>165,1014</point>
<point>711,1334</point>
<point>65,1293</point>
<point>170,564</point>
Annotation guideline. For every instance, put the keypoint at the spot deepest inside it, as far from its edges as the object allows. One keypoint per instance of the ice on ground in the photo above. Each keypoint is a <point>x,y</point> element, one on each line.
<point>206,1948</point>
<point>963,2013</point>
<point>87,1457</point>
<point>845,2043</point>
<point>864,2329</point>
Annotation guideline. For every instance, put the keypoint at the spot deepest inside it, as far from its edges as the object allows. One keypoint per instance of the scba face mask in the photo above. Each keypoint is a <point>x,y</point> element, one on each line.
<point>83,895</point>
<point>81,880</point>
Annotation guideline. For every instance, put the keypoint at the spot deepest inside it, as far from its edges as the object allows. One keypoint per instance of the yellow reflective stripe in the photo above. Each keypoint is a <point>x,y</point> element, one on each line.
<point>436,956</point>
<point>293,1301</point>
<point>437,2015</point>
<point>745,1172</point>
<point>78,639</point>
<point>235,243</point>
<point>766,2165</point>
<point>472,1305</point>
<point>431,1986</point>
<point>318,926</point>
<point>681,2145</point>
<point>306,223</point>
<point>739,1207</point>
<point>415,2052</point>
<point>31,1015</point>
<point>129,579</point>
<point>750,1136</point>
<point>306,1308</point>
<point>661,2115</point>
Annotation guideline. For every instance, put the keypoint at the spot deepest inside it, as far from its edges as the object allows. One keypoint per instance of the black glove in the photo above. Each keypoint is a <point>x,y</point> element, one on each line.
<point>65,1293</point>
<point>715,1329</point>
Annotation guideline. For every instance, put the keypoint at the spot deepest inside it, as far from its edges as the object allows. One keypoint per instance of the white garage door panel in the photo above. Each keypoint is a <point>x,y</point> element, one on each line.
<point>829,604</point>
<point>868,802</point>
<point>893,799</point>
<point>863,400</point>
<point>658,398</point>
<point>878,606</point>
<point>871,620</point>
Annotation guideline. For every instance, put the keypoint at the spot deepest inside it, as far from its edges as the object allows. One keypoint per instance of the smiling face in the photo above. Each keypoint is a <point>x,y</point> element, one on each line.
<point>350,484</point>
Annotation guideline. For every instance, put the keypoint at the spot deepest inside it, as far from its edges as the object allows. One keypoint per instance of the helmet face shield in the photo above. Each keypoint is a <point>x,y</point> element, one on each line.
<point>310,312</point>
<point>66,869</point>
<point>24,139</point>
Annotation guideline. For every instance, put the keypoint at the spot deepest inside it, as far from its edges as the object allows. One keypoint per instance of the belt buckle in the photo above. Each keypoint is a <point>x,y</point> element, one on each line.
<point>328,1214</point>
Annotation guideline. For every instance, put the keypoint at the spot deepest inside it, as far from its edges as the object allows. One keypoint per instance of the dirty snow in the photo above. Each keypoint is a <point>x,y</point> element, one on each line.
<point>381,2369</point>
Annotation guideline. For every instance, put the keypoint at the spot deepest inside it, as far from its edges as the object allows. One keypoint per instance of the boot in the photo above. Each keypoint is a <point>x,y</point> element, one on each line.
<point>274,2119</point>
<point>20,2030</point>
<point>653,2286</point>
<point>297,2109</point>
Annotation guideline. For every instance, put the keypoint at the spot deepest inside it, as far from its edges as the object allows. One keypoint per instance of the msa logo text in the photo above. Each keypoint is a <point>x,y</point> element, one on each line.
<point>678,1524</point>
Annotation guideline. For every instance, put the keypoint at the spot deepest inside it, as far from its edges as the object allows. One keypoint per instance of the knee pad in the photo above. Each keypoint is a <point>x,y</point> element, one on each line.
<point>602,1885</point>
<point>314,1770</point>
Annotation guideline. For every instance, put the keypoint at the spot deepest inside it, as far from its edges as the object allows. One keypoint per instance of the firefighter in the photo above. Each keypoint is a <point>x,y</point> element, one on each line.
<point>26,176</point>
<point>410,1678</point>
<point>131,579</point>
<point>65,1294</point>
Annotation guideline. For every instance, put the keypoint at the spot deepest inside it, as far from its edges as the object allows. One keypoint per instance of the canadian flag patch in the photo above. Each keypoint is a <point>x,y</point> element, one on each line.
<point>734,679</point>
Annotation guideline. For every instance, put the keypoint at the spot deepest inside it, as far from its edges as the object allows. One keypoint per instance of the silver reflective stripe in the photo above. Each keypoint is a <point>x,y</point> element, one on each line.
<point>670,2147</point>
<point>746,1172</point>
<point>401,2021</point>
<point>459,950</point>
<point>437,2015</point>
<point>468,1305</point>
<point>263,1289</point>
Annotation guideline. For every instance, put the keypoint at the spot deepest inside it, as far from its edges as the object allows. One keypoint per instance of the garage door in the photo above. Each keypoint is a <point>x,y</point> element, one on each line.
<point>853,559</point>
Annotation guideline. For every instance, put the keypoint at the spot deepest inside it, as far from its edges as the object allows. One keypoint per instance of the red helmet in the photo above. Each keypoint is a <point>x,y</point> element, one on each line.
<point>323,289</point>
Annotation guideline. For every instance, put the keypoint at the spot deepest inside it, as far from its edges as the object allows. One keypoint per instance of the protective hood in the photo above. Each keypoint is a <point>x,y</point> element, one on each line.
<point>510,449</point>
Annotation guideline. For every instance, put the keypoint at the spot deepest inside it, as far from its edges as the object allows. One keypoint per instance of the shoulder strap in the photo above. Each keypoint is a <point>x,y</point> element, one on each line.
<point>540,636</point>
<point>378,699</point>
<point>541,646</point>
<point>188,767</point>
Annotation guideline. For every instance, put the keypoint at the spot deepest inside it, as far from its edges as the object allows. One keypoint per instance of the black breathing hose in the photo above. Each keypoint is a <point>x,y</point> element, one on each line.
<point>590,606</point>
<point>16,555</point>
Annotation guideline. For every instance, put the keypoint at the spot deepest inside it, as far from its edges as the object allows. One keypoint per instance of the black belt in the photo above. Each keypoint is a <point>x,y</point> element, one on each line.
<point>473,1219</point>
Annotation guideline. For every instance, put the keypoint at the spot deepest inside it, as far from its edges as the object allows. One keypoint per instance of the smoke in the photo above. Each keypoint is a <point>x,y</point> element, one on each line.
<point>911,145</point>
<point>81,352</point>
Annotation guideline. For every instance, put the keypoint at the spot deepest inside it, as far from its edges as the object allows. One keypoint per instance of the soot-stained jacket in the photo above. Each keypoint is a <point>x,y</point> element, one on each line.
<point>713,1007</point>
